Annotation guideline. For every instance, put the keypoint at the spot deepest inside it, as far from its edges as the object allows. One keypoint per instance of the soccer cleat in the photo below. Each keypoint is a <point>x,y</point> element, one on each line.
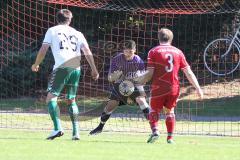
<point>55,134</point>
<point>170,141</point>
<point>153,137</point>
<point>96,131</point>
<point>75,138</point>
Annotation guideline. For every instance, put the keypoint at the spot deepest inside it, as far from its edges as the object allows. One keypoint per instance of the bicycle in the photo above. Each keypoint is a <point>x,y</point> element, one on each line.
<point>222,56</point>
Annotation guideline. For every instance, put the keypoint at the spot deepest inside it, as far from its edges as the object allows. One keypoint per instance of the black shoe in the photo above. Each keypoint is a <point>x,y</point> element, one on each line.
<point>55,134</point>
<point>96,130</point>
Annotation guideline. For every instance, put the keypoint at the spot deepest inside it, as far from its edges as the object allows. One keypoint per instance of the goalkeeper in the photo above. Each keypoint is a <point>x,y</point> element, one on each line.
<point>126,65</point>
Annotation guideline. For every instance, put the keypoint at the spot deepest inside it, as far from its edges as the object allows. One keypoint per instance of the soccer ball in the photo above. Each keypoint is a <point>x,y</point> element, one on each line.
<point>126,88</point>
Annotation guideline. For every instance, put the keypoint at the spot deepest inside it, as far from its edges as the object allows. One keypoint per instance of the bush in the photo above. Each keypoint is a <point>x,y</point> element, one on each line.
<point>17,79</point>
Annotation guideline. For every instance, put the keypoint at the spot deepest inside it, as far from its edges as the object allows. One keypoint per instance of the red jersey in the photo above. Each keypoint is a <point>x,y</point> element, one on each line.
<point>166,60</point>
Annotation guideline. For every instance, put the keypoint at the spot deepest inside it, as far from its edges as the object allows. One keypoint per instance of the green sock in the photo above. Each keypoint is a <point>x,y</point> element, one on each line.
<point>54,112</point>
<point>73,112</point>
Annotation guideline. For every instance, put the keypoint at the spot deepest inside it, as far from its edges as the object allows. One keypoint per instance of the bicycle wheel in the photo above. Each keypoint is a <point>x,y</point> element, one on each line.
<point>218,64</point>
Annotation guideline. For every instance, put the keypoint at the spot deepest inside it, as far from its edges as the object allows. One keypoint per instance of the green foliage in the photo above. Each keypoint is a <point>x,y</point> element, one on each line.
<point>17,79</point>
<point>224,107</point>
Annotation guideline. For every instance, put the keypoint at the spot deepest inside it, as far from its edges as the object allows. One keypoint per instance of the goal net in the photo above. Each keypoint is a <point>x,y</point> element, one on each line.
<point>105,24</point>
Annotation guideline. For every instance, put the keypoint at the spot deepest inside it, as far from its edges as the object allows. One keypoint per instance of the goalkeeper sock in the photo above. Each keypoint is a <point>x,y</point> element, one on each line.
<point>170,124</point>
<point>73,112</point>
<point>153,121</point>
<point>146,112</point>
<point>104,117</point>
<point>145,109</point>
<point>54,112</point>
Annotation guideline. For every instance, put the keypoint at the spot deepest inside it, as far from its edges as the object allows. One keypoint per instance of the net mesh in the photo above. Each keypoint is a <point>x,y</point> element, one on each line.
<point>156,7</point>
<point>106,23</point>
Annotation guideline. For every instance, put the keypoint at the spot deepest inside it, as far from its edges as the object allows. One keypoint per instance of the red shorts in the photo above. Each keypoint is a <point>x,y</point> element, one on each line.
<point>169,101</point>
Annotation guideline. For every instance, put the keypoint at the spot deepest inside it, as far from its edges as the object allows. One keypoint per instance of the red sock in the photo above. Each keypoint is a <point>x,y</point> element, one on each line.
<point>153,121</point>
<point>170,124</point>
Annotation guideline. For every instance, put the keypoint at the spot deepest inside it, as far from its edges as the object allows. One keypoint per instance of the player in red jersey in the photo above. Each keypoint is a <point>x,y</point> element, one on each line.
<point>164,64</point>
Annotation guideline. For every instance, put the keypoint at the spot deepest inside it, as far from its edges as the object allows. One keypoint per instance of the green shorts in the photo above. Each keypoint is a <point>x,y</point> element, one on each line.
<point>67,78</point>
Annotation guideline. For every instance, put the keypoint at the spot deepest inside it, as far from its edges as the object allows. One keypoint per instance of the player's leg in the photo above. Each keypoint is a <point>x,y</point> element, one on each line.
<point>170,123</point>
<point>54,112</point>
<point>73,113</point>
<point>156,104</point>
<point>112,104</point>
<point>110,107</point>
<point>71,91</point>
<point>153,121</point>
<point>170,120</point>
<point>55,86</point>
<point>141,101</point>
<point>140,97</point>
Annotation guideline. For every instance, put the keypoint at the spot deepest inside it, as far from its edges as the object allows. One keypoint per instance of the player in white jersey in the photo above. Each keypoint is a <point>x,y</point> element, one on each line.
<point>66,44</point>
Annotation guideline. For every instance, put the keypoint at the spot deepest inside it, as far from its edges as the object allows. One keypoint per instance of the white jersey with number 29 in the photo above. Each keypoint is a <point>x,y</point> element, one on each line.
<point>66,43</point>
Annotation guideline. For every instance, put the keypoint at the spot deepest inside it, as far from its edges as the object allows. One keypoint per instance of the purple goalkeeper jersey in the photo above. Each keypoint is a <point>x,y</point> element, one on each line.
<point>128,67</point>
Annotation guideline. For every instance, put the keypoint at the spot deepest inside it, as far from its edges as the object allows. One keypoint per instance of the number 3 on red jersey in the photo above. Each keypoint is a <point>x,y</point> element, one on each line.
<point>169,57</point>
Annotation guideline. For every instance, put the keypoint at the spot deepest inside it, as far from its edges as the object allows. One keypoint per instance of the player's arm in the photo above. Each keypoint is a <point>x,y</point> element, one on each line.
<point>193,80</point>
<point>89,56</point>
<point>148,75</point>
<point>112,77</point>
<point>145,77</point>
<point>114,74</point>
<point>40,57</point>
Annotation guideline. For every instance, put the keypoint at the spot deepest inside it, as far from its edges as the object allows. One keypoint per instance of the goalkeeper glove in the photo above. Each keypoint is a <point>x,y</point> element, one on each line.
<point>112,77</point>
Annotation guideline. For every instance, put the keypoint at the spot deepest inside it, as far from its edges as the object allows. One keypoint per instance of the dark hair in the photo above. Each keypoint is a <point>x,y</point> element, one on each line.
<point>129,44</point>
<point>165,35</point>
<point>64,16</point>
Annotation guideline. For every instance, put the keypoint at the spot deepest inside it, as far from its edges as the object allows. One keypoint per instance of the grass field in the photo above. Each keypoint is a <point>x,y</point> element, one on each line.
<point>26,145</point>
